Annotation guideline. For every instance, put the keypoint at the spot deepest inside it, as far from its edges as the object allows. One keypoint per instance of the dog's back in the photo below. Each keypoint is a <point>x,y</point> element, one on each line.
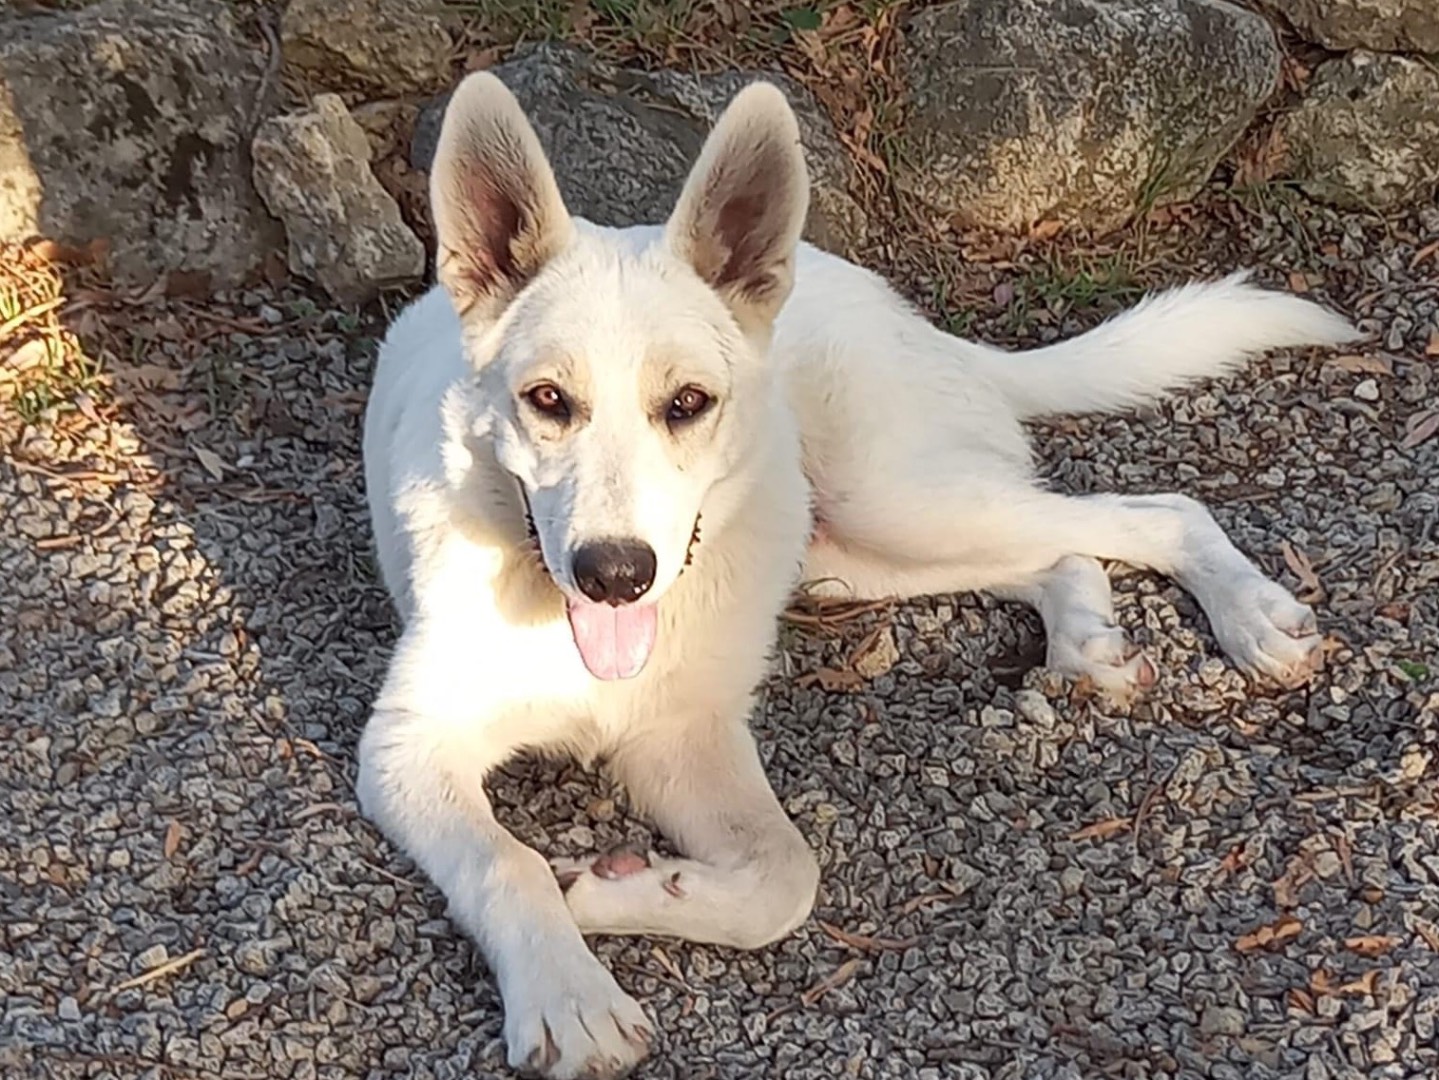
<point>420,359</point>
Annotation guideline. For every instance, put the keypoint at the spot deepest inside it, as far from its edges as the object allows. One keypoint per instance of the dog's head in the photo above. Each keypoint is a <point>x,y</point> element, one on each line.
<point>621,377</point>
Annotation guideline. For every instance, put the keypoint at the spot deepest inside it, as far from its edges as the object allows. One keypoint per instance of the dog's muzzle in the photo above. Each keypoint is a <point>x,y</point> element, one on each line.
<point>534,536</point>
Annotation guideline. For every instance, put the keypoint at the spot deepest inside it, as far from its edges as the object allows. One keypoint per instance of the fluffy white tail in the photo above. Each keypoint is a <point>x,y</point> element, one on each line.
<point>1166,341</point>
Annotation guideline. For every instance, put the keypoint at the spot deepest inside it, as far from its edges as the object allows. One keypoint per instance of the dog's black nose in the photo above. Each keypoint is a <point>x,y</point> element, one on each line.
<point>614,571</point>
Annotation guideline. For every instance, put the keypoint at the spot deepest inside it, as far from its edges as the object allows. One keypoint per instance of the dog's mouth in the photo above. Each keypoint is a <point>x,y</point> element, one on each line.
<point>614,640</point>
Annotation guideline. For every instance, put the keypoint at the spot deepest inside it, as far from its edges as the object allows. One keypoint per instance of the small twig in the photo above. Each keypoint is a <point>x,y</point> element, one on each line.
<point>835,979</point>
<point>167,968</point>
<point>244,326</point>
<point>1146,803</point>
<point>396,878</point>
<point>78,476</point>
<point>323,808</point>
<point>272,69</point>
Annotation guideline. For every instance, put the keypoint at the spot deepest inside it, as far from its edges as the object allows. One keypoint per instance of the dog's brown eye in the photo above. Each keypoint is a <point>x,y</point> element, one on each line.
<point>687,404</point>
<point>548,400</point>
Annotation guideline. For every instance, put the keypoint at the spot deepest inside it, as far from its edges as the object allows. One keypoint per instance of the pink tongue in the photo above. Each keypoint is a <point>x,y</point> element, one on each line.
<point>614,642</point>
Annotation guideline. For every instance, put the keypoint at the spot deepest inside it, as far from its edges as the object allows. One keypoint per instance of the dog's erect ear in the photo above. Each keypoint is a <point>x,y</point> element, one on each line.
<point>743,207</point>
<point>498,213</point>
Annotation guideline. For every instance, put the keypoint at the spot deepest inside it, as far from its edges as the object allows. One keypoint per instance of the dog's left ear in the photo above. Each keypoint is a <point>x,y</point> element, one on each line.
<point>740,215</point>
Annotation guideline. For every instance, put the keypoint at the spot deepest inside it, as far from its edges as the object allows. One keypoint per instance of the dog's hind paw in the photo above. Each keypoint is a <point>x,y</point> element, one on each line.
<point>1268,633</point>
<point>1108,660</point>
<point>618,862</point>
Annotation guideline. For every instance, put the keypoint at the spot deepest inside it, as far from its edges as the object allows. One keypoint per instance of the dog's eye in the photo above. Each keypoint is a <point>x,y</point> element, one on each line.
<point>547,399</point>
<point>687,404</point>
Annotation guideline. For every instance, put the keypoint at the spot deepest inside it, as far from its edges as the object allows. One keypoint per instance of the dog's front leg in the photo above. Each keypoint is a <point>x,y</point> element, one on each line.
<point>421,781</point>
<point>748,877</point>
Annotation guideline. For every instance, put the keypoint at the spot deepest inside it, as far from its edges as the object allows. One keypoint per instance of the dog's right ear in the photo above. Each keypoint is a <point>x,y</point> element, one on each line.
<point>498,212</point>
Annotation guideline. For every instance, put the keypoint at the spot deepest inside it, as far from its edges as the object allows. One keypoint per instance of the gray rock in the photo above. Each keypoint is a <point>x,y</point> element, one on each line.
<point>622,141</point>
<point>344,229</point>
<point>1083,110</point>
<point>127,121</point>
<point>1367,133</point>
<point>374,47</point>
<point>1222,1020</point>
<point>1384,25</point>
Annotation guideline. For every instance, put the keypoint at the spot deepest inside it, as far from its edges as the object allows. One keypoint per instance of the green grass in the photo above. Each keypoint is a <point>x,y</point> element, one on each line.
<point>1413,670</point>
<point>1065,284</point>
<point>693,30</point>
<point>43,366</point>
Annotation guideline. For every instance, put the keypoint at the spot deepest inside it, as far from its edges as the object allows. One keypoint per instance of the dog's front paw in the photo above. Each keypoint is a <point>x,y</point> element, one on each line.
<point>1269,633</point>
<point>1108,659</point>
<point>574,1023</point>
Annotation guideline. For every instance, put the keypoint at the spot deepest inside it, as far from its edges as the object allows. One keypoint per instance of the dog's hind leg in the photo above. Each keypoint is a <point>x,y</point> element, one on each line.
<point>748,877</point>
<point>1075,602</point>
<point>911,539</point>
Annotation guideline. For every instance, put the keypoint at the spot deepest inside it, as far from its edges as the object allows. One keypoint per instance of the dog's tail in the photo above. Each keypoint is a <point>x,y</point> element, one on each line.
<point>1168,340</point>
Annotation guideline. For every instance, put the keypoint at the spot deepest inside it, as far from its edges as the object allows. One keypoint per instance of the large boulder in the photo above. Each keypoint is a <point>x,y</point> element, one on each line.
<point>1382,25</point>
<point>345,231</point>
<point>374,48</point>
<point>1366,135</point>
<point>127,121</point>
<point>1086,111</point>
<point>622,141</point>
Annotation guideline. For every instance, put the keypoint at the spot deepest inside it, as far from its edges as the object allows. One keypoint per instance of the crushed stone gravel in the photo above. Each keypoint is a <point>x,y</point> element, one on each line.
<point>1227,881</point>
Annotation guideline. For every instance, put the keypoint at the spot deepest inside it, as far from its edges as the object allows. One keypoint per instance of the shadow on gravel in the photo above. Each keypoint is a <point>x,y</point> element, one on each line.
<point>1016,882</point>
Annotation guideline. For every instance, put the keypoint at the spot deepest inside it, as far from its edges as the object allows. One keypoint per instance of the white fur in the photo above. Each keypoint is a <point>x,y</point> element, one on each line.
<point>905,441</point>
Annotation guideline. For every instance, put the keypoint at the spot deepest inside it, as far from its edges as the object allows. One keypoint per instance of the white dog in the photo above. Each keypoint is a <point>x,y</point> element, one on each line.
<point>600,460</point>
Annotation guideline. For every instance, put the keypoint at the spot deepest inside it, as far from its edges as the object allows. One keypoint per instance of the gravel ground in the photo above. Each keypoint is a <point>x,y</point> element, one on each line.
<point>1226,882</point>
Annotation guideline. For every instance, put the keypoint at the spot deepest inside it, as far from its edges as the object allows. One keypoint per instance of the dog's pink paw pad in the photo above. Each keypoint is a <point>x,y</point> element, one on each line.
<point>621,862</point>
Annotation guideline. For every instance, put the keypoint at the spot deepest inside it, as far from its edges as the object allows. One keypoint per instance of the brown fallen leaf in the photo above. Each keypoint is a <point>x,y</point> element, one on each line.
<point>866,943</point>
<point>1047,229</point>
<point>831,680</point>
<point>1345,851</point>
<point>924,900</point>
<point>173,834</point>
<point>1420,427</point>
<point>251,864</point>
<point>833,981</point>
<point>1321,983</point>
<point>1301,999</point>
<point>1429,932</point>
<point>1234,860</point>
<point>1362,986</point>
<point>1369,365</point>
<point>1270,937</point>
<point>212,462</point>
<point>1432,347</point>
<point>876,655</point>
<point>1310,588</point>
<point>1370,944</point>
<point>1298,282</point>
<point>1423,253</point>
<point>1296,875</point>
<point>1102,830</point>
